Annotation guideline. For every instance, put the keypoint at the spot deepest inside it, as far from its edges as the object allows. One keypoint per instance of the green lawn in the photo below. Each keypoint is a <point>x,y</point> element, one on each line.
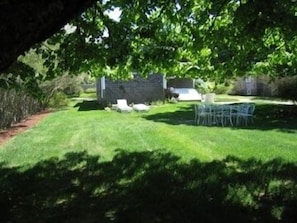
<point>84,164</point>
<point>167,127</point>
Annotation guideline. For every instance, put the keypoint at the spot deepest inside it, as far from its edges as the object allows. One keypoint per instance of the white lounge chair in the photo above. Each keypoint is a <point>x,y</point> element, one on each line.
<point>141,107</point>
<point>122,106</point>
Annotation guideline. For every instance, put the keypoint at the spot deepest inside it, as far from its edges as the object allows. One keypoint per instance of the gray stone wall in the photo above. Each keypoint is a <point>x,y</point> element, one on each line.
<point>180,83</point>
<point>137,90</point>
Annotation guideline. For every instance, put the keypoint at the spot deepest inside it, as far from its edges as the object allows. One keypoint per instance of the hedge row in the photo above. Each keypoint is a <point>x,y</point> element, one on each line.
<point>16,106</point>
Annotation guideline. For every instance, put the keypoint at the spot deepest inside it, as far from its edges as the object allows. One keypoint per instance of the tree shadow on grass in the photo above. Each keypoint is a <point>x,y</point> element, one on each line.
<point>184,115</point>
<point>88,105</point>
<point>267,117</point>
<point>276,116</point>
<point>148,187</point>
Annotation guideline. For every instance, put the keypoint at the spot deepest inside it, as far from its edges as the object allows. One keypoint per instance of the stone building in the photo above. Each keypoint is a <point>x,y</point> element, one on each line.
<point>136,90</point>
<point>180,82</point>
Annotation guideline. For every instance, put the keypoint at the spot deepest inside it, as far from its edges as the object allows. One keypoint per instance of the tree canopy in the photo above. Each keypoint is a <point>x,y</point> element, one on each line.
<point>210,38</point>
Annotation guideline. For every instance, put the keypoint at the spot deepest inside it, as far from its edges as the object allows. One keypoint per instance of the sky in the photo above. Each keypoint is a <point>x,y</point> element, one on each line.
<point>113,14</point>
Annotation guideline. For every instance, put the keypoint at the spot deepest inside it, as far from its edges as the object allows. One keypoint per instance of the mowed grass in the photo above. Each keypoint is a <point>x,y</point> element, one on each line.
<point>167,127</point>
<point>86,165</point>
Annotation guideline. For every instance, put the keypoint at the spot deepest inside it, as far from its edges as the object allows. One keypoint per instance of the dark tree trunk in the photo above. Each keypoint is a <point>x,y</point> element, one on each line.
<point>25,23</point>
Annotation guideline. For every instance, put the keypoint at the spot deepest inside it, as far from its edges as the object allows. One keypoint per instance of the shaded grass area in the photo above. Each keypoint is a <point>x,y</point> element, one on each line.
<point>262,98</point>
<point>276,116</point>
<point>267,117</point>
<point>87,105</point>
<point>148,187</point>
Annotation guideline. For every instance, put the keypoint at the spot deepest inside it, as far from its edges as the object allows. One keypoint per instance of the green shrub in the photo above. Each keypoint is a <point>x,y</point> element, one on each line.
<point>72,91</point>
<point>204,87</point>
<point>58,100</point>
<point>222,88</point>
<point>67,84</point>
<point>72,88</point>
<point>287,88</point>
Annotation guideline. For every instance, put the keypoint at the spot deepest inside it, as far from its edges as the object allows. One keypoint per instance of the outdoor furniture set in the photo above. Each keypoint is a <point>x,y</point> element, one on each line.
<point>224,114</point>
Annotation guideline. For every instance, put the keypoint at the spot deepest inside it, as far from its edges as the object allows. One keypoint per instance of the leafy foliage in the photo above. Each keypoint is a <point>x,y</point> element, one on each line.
<point>175,37</point>
<point>214,39</point>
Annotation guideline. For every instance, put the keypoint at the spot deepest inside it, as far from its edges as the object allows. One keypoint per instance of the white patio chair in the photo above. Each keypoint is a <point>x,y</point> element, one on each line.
<point>141,107</point>
<point>223,114</point>
<point>245,113</point>
<point>204,114</point>
<point>250,114</point>
<point>122,106</point>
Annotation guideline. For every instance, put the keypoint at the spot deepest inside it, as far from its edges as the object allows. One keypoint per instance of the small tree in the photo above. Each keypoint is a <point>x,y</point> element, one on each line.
<point>67,84</point>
